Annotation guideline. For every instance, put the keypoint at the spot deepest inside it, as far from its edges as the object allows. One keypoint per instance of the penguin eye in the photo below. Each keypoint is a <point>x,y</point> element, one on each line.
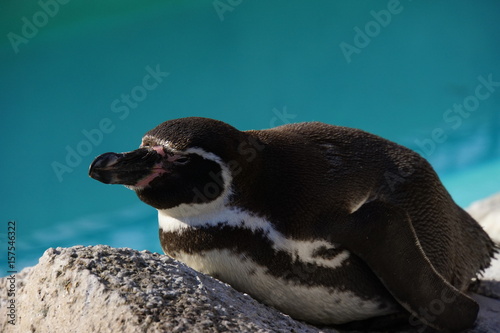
<point>182,160</point>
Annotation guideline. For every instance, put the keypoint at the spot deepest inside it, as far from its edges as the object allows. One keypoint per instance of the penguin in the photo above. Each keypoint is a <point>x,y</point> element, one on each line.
<point>328,224</point>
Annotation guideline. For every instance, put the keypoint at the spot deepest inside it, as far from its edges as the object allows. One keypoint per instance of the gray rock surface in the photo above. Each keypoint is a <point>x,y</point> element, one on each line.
<point>104,289</point>
<point>487,212</point>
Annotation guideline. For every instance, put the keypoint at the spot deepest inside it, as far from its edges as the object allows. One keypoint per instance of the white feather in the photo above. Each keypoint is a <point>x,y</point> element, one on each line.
<point>315,304</point>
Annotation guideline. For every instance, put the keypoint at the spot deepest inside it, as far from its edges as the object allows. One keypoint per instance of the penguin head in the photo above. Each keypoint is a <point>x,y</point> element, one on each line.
<point>187,162</point>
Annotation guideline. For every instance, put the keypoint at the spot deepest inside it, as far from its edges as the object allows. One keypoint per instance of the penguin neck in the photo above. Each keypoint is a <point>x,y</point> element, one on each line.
<point>191,210</point>
<point>187,214</point>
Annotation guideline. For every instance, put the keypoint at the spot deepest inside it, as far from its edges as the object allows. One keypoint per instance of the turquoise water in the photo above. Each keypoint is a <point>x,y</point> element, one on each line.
<point>256,65</point>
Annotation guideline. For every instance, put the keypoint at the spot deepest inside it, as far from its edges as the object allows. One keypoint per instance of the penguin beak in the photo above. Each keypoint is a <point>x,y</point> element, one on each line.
<point>136,168</point>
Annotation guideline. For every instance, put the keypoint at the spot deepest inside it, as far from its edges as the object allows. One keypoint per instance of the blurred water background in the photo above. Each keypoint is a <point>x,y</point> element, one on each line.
<point>74,84</point>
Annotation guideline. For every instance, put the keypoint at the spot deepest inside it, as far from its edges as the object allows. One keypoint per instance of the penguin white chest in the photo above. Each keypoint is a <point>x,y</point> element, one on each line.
<point>246,252</point>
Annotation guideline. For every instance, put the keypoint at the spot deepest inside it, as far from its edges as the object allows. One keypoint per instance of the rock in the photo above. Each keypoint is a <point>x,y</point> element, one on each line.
<point>104,289</point>
<point>487,213</point>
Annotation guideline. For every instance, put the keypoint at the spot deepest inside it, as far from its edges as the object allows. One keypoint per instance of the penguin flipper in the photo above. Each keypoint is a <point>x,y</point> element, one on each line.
<point>382,235</point>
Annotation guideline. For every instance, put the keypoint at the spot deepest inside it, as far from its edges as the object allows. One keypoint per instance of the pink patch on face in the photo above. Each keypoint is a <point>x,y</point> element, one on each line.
<point>156,171</point>
<point>159,150</point>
